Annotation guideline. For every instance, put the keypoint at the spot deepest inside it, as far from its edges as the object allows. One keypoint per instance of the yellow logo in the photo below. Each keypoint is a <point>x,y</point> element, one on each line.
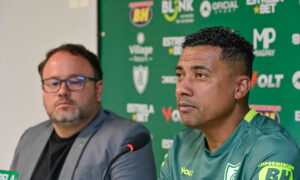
<point>141,13</point>
<point>163,163</point>
<point>180,11</point>
<point>186,171</point>
<point>175,10</point>
<point>275,170</point>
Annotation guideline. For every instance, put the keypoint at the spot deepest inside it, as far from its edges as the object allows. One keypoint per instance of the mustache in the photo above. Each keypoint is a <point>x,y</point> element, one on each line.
<point>64,100</point>
<point>185,100</point>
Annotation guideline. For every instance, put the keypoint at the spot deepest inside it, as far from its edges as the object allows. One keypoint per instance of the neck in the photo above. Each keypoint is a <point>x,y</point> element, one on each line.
<point>220,130</point>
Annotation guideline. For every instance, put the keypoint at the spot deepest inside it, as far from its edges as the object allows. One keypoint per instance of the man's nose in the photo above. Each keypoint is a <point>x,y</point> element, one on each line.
<point>184,87</point>
<point>64,90</point>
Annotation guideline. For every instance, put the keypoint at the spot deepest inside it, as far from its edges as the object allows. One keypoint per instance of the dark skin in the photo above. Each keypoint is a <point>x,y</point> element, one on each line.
<point>211,93</point>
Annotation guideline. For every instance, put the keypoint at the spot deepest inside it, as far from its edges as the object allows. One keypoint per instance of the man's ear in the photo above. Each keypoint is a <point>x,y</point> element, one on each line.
<point>99,87</point>
<point>243,84</point>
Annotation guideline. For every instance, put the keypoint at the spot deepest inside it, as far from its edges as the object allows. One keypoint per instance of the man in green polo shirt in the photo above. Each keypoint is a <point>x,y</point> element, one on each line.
<point>225,140</point>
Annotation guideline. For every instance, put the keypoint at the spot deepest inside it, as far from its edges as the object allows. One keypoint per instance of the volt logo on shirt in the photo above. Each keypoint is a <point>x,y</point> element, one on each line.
<point>186,171</point>
<point>275,170</point>
<point>231,171</point>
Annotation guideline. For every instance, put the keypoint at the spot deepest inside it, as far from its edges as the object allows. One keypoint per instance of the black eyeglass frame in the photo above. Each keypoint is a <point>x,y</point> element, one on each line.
<point>67,83</point>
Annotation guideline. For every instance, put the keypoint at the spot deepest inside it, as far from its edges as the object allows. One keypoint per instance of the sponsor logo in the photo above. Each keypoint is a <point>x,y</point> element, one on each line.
<point>296,80</point>
<point>8,175</point>
<point>231,171</point>
<point>297,115</point>
<point>270,111</point>
<point>178,11</point>
<point>140,77</point>
<point>171,113</point>
<point>139,52</point>
<point>296,39</point>
<point>266,80</point>
<point>218,7</point>
<point>275,170</point>
<point>166,143</point>
<point>263,6</point>
<point>168,79</point>
<point>187,172</point>
<point>141,13</point>
<point>140,112</point>
<point>174,44</point>
<point>267,36</point>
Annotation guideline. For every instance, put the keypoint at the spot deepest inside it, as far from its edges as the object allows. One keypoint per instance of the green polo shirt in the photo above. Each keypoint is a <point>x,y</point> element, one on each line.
<point>258,149</point>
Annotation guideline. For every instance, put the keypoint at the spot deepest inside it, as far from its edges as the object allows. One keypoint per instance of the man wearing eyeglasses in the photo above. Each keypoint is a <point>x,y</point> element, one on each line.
<point>81,137</point>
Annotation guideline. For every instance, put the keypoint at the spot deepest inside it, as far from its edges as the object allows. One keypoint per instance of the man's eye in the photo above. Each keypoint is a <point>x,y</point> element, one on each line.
<point>75,82</point>
<point>200,75</point>
<point>179,75</point>
<point>53,83</point>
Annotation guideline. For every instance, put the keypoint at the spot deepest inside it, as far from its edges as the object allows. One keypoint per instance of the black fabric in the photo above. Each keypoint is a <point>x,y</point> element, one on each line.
<point>53,157</point>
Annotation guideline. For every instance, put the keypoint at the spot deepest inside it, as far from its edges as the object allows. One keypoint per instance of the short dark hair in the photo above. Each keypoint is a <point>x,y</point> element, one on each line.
<point>75,49</point>
<point>234,47</point>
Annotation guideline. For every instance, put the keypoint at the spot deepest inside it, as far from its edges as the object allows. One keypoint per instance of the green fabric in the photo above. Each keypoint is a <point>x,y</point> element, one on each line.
<point>250,115</point>
<point>258,149</point>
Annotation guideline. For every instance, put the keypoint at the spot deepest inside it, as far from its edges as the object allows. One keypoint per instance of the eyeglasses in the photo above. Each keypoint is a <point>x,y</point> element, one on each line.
<point>74,83</point>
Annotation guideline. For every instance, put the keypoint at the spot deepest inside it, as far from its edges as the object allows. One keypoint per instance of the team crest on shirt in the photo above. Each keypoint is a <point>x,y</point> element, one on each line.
<point>231,171</point>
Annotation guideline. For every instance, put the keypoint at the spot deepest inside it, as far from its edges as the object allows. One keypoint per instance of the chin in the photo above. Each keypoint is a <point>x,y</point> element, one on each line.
<point>65,116</point>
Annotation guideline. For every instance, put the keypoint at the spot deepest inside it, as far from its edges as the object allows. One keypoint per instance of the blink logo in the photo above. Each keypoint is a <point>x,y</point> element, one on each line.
<point>174,44</point>
<point>219,7</point>
<point>263,6</point>
<point>266,37</point>
<point>178,11</point>
<point>140,53</point>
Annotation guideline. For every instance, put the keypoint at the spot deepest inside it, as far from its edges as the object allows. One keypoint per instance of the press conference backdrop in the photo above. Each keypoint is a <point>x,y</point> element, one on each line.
<point>139,46</point>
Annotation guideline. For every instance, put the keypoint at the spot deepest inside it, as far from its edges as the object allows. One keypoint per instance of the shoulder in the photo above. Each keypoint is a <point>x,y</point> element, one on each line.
<point>34,131</point>
<point>276,145</point>
<point>117,124</point>
<point>115,131</point>
<point>273,147</point>
<point>270,135</point>
<point>273,153</point>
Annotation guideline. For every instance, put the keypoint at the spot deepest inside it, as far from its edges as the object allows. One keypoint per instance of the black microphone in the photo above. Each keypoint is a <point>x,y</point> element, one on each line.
<point>135,143</point>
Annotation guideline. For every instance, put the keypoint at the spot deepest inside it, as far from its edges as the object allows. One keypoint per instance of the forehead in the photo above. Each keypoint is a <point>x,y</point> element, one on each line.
<point>207,56</point>
<point>63,64</point>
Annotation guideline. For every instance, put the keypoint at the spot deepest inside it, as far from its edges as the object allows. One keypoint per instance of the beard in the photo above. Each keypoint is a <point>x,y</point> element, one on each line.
<point>69,116</point>
<point>66,116</point>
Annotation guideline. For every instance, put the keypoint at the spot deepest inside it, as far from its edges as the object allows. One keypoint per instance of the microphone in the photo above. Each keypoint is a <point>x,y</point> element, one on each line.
<point>135,143</point>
